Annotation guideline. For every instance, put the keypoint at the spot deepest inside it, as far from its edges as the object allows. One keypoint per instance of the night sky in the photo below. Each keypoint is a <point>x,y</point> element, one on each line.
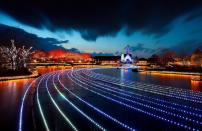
<point>107,26</point>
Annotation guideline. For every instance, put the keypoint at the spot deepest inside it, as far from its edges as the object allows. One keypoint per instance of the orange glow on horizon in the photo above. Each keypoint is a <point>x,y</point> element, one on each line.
<point>60,53</point>
<point>57,53</point>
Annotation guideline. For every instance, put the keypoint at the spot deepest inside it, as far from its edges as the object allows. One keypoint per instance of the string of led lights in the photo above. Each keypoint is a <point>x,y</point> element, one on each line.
<point>97,109</point>
<point>156,91</point>
<point>146,105</point>
<point>39,104</point>
<point>105,83</point>
<point>127,94</point>
<point>149,89</point>
<point>131,82</point>
<point>135,96</point>
<point>57,107</point>
<point>198,94</point>
<point>171,89</point>
<point>167,102</point>
<point>75,107</point>
<point>70,76</point>
<point>23,101</point>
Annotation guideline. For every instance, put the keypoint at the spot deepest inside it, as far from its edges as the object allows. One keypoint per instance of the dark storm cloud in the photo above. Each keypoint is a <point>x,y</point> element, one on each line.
<point>102,54</point>
<point>56,42</point>
<point>23,38</point>
<point>195,14</point>
<point>187,47</point>
<point>184,48</point>
<point>94,18</point>
<point>140,47</point>
<point>74,50</point>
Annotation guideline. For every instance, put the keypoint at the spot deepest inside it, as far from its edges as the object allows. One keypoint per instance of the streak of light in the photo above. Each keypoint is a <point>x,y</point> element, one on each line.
<point>60,111</point>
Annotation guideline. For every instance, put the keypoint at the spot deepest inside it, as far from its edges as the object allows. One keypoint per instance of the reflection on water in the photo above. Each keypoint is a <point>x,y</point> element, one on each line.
<point>10,96</point>
<point>42,69</point>
<point>45,69</point>
<point>123,73</point>
<point>196,85</point>
<point>11,93</point>
<point>10,90</point>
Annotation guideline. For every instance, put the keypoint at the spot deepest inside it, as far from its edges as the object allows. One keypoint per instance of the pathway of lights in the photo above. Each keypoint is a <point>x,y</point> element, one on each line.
<point>132,107</point>
<point>156,90</point>
<point>111,88</point>
<point>196,95</point>
<point>96,109</point>
<point>22,103</point>
<point>75,107</point>
<point>143,87</point>
<point>145,105</point>
<point>167,102</point>
<point>131,82</point>
<point>39,104</point>
<point>127,94</point>
<point>70,76</point>
<point>60,111</point>
<point>171,89</point>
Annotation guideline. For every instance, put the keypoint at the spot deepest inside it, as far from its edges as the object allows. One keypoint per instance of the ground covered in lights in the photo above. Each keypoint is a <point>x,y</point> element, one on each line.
<point>83,99</point>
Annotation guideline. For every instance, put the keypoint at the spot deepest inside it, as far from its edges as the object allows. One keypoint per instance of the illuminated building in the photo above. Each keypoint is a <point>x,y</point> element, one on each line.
<point>127,57</point>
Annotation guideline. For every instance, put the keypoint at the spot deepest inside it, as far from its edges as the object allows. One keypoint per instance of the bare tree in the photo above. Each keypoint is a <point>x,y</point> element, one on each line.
<point>16,57</point>
<point>1,57</point>
<point>25,53</point>
<point>11,54</point>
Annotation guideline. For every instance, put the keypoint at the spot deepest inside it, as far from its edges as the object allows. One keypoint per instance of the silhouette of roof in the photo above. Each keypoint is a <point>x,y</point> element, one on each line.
<point>101,58</point>
<point>142,59</point>
<point>127,54</point>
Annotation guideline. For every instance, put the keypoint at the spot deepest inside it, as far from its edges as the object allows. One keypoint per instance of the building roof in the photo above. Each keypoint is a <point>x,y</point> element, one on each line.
<point>142,59</point>
<point>127,54</point>
<point>102,58</point>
